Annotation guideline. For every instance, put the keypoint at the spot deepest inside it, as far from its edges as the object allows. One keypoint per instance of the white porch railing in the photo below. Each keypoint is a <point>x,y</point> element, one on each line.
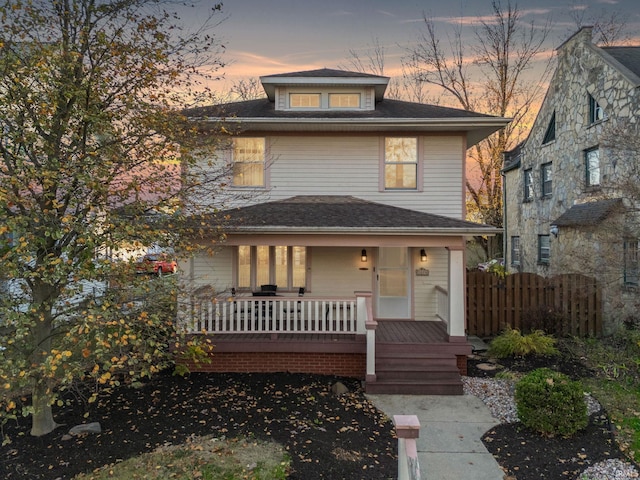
<point>276,315</point>
<point>442,304</point>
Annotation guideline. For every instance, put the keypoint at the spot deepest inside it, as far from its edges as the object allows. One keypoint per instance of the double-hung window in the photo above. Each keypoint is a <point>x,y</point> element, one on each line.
<point>400,163</point>
<point>279,265</point>
<point>546,176</point>
<point>528,185</point>
<point>515,251</point>
<point>248,162</point>
<point>592,167</point>
<point>631,263</point>
<point>544,249</point>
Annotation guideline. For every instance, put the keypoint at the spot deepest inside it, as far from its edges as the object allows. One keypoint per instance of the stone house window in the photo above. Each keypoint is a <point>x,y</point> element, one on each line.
<point>631,264</point>
<point>528,185</point>
<point>592,167</point>
<point>596,112</point>
<point>550,134</point>
<point>515,251</point>
<point>546,176</point>
<point>544,249</point>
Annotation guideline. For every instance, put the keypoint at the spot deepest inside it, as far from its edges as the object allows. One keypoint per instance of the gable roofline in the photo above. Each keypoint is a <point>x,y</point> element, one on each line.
<point>324,77</point>
<point>613,56</point>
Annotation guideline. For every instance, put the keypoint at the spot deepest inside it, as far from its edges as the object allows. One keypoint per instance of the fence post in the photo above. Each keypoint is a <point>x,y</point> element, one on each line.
<point>407,431</point>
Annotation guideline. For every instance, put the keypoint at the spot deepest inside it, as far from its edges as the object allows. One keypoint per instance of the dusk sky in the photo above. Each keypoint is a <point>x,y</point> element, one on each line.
<point>276,36</point>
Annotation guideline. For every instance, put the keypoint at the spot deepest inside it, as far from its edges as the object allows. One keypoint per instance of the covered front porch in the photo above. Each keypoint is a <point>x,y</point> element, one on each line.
<point>337,336</point>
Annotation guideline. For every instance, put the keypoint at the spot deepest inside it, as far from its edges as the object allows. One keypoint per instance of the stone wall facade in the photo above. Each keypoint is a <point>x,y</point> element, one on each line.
<point>585,75</point>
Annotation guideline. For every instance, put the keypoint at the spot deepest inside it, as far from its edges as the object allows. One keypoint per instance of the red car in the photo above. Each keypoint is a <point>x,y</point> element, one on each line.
<point>157,263</point>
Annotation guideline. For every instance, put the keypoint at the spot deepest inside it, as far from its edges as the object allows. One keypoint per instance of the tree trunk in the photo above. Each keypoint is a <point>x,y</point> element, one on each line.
<point>42,418</point>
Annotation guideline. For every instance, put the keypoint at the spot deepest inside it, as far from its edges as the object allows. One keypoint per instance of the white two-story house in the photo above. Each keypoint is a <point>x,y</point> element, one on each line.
<point>352,226</point>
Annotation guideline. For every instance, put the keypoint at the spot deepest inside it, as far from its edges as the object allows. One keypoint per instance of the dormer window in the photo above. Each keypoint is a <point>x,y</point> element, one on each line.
<point>344,100</point>
<point>304,100</point>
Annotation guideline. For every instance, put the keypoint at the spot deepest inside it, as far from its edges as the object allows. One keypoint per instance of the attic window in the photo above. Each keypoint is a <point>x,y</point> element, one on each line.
<point>596,112</point>
<point>550,134</point>
<point>344,100</point>
<point>304,100</point>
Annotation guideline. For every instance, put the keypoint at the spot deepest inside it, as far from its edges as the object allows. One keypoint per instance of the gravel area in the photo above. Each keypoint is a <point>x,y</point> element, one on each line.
<point>498,396</point>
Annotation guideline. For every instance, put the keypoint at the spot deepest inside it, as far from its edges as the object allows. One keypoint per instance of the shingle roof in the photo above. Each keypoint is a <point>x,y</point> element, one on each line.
<point>586,214</point>
<point>324,72</point>
<point>333,212</point>
<point>627,56</point>
<point>263,108</point>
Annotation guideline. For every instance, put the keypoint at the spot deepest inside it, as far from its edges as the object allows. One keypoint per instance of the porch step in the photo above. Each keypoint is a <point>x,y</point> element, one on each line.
<point>415,371</point>
<point>434,387</point>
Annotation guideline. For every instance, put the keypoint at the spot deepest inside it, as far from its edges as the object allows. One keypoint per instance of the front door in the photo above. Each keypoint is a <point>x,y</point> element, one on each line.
<point>393,283</point>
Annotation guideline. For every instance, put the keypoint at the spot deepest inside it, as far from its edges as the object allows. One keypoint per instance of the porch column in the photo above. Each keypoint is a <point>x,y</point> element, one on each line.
<point>457,296</point>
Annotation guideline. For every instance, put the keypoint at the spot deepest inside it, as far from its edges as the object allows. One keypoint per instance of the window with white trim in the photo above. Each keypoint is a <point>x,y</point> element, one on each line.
<point>544,249</point>
<point>515,251</point>
<point>400,163</point>
<point>284,266</point>
<point>344,100</point>
<point>547,179</point>
<point>304,100</point>
<point>528,185</point>
<point>248,162</point>
<point>592,167</point>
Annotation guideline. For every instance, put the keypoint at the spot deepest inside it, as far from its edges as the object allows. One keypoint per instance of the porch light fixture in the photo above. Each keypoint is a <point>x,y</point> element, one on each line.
<point>554,230</point>
<point>363,255</point>
<point>423,255</point>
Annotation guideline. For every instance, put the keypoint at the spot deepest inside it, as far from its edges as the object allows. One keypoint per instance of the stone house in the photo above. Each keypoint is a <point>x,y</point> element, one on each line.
<point>570,189</point>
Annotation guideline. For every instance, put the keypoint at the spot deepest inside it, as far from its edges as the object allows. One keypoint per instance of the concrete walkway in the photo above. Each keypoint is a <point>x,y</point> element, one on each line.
<point>451,428</point>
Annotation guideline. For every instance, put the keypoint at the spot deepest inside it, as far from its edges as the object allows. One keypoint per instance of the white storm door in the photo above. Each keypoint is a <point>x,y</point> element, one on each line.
<point>393,282</point>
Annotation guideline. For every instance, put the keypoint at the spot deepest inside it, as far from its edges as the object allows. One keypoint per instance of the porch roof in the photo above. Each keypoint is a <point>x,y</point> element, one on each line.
<point>588,214</point>
<point>344,214</point>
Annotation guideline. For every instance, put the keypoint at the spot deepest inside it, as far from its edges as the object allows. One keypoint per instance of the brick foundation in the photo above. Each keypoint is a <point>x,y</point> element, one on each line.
<point>461,361</point>
<point>340,364</point>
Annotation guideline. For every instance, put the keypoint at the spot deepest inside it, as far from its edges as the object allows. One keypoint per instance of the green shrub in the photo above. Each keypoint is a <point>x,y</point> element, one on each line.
<point>512,342</point>
<point>551,403</point>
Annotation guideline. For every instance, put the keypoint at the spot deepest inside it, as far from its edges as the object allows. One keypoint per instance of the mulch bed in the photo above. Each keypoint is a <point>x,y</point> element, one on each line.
<point>527,455</point>
<point>327,435</point>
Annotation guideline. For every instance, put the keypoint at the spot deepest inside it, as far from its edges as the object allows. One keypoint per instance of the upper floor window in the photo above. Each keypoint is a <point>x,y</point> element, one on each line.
<point>528,184</point>
<point>344,100</point>
<point>544,249</point>
<point>515,250</point>
<point>279,265</point>
<point>400,163</point>
<point>304,100</point>
<point>546,176</point>
<point>592,166</point>
<point>550,133</point>
<point>631,264</point>
<point>596,113</point>
<point>248,161</point>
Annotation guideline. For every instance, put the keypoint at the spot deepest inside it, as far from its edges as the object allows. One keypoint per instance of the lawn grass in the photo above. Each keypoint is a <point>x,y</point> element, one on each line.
<point>616,384</point>
<point>205,458</point>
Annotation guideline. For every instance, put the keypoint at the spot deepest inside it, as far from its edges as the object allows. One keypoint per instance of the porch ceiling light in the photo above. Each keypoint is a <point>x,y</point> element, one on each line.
<point>423,255</point>
<point>363,255</point>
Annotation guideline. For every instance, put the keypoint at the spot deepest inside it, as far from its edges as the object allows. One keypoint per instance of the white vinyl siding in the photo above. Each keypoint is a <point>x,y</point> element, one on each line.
<point>214,270</point>
<point>425,286</point>
<point>336,271</point>
<point>350,165</point>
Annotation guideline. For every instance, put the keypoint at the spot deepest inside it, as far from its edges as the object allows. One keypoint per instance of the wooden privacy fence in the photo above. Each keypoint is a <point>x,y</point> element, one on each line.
<point>568,304</point>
